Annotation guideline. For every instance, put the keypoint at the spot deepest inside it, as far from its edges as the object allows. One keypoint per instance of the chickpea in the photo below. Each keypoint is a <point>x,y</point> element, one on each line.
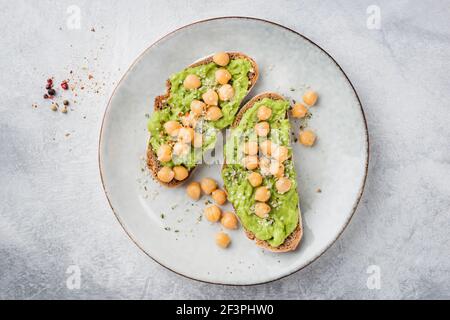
<point>299,110</point>
<point>213,114</point>
<point>223,76</point>
<point>186,135</point>
<point>181,173</point>
<point>276,169</point>
<point>262,129</point>
<point>310,98</point>
<point>189,120</point>
<point>172,127</point>
<point>251,162</point>
<point>221,58</point>
<point>165,174</point>
<point>164,153</point>
<point>174,134</point>
<point>194,191</point>
<point>262,210</point>
<point>264,113</point>
<point>283,185</point>
<point>197,107</point>
<point>262,194</point>
<point>223,240</point>
<point>255,179</point>
<point>198,140</point>
<point>229,220</point>
<point>281,153</point>
<point>192,82</point>
<point>181,149</point>
<point>219,196</point>
<point>264,164</point>
<point>226,92</point>
<point>251,148</point>
<point>266,147</point>
<point>213,213</point>
<point>307,138</point>
<point>208,185</point>
<point>210,97</point>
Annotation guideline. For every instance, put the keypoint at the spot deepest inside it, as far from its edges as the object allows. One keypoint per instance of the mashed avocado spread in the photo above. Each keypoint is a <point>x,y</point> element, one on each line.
<point>284,215</point>
<point>179,101</point>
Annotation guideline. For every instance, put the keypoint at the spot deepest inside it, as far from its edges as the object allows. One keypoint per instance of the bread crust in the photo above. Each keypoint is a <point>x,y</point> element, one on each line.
<point>152,159</point>
<point>293,240</point>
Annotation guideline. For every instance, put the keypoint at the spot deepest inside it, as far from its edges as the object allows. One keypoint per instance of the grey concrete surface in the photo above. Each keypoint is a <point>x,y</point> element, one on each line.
<point>54,214</point>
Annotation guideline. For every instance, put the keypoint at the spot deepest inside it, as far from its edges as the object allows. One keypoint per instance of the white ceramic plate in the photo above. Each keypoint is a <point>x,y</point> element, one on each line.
<point>337,164</point>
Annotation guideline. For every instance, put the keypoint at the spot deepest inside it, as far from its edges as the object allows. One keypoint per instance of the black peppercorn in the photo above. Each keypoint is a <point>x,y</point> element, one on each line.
<point>51,92</point>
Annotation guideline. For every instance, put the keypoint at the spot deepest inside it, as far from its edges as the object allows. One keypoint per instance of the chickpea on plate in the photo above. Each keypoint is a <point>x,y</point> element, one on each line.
<point>214,213</point>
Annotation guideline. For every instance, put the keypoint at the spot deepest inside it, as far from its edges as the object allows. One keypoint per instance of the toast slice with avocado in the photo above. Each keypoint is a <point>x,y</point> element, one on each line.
<point>201,99</point>
<point>259,174</point>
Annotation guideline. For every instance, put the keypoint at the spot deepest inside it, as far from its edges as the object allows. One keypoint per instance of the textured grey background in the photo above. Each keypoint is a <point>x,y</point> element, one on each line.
<point>53,212</point>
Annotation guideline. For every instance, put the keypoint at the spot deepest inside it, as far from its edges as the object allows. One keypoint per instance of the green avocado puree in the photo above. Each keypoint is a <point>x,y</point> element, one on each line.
<point>284,216</point>
<point>180,100</point>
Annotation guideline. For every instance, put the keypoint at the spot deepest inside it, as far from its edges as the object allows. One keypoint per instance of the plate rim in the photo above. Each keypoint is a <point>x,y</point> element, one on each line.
<point>360,193</point>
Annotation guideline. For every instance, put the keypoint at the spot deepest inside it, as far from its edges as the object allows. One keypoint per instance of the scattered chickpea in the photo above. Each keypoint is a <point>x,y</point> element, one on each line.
<point>262,194</point>
<point>213,213</point>
<point>223,76</point>
<point>210,97</point>
<point>186,135</point>
<point>262,209</point>
<point>165,174</point>
<point>307,138</point>
<point>54,107</point>
<point>194,191</point>
<point>264,165</point>
<point>172,127</point>
<point>64,109</point>
<point>299,110</point>
<point>208,185</point>
<point>181,149</point>
<point>192,82</point>
<point>164,153</point>
<point>223,240</point>
<point>189,120</point>
<point>266,147</point>
<point>213,114</point>
<point>255,179</point>
<point>221,58</point>
<point>229,220</point>
<point>219,196</point>
<point>226,92</point>
<point>281,153</point>
<point>181,173</point>
<point>283,185</point>
<point>175,133</point>
<point>251,148</point>
<point>310,98</point>
<point>264,113</point>
<point>197,107</point>
<point>198,140</point>
<point>276,169</point>
<point>251,162</point>
<point>262,129</point>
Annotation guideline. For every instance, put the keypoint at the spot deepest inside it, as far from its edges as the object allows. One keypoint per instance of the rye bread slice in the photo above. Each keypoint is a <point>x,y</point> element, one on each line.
<point>292,241</point>
<point>152,160</point>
